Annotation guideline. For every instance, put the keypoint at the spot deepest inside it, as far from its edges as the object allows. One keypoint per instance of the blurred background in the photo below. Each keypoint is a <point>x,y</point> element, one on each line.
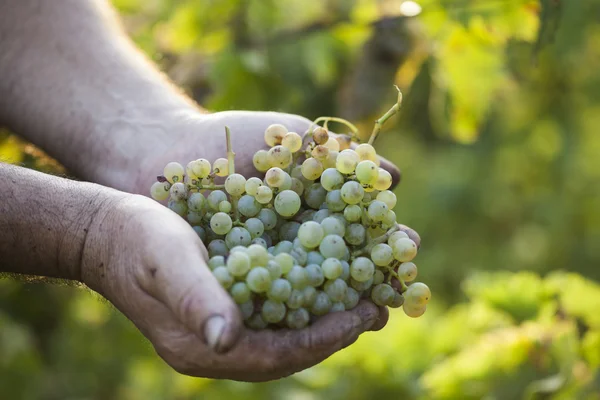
<point>499,143</point>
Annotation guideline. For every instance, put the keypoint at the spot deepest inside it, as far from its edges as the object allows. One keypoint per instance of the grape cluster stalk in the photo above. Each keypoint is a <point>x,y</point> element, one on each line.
<point>316,235</point>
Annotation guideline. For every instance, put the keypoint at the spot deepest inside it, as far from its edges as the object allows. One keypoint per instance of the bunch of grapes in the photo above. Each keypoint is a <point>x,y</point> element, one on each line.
<point>312,237</point>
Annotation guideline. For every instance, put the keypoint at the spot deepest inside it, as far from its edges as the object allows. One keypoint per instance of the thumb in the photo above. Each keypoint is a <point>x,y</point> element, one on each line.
<point>184,283</point>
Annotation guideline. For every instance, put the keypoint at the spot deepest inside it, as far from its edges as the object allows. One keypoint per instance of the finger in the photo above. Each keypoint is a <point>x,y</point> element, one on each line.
<point>381,320</point>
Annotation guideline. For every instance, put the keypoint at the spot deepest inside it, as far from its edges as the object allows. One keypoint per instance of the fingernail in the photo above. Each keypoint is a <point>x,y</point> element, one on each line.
<point>213,330</point>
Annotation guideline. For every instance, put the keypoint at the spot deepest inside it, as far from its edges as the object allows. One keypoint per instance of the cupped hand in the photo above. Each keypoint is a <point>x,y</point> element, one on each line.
<point>152,266</point>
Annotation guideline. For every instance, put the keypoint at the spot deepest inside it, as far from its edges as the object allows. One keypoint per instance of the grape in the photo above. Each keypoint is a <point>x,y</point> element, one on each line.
<point>240,292</point>
<point>314,195</point>
<point>260,241</point>
<point>332,144</point>
<point>337,307</point>
<point>344,141</point>
<point>377,210</point>
<point>258,255</point>
<point>248,206</point>
<point>309,293</point>
<point>320,215</point>
<point>194,218</point>
<point>247,309</point>
<point>407,271</point>
<point>274,134</point>
<point>366,151</point>
<point>314,257</point>
<point>334,201</point>
<point>225,207</point>
<point>331,159</point>
<point>285,246</point>
<point>273,311</point>
<point>292,141</point>
<point>336,289</point>
<point>238,237</point>
<point>235,184</point>
<point>332,268</point>
<point>289,231</point>
<point>360,286</point>
<point>296,299</point>
<point>256,322</point>
<point>355,234</point>
<point>384,180</point>
<point>352,192</point>
<point>268,218</point>
<point>332,246</point>
<point>199,168</point>
<point>417,293</point>
<point>297,277</point>
<point>221,167</point>
<point>332,226</point>
<point>321,305</point>
<point>414,310</point>
<point>404,250</point>
<point>261,161</point>
<point>287,182</point>
<point>314,274</point>
<point>252,184</point>
<point>382,254</point>
<point>389,219</point>
<point>223,276</point>
<point>300,255</point>
<point>174,172</point>
<point>378,277</point>
<point>255,227</point>
<point>320,135</point>
<point>285,261</point>
<point>216,261</point>
<point>397,235</point>
<point>258,279</point>
<point>320,153</point>
<point>362,269</point>
<point>382,294</point>
<point>345,270</point>
<point>179,207</point>
<point>346,161</point>
<point>310,234</point>
<point>274,269</point>
<point>264,194</point>
<point>280,290</point>
<point>297,186</point>
<point>160,190</point>
<point>236,249</point>
<point>312,168</point>
<point>221,223</point>
<point>332,179</point>
<point>238,263</point>
<point>275,177</point>
<point>297,319</point>
<point>351,298</point>
<point>287,203</point>
<point>352,213</point>
<point>388,197</point>
<point>398,301</point>
<point>217,248</point>
<point>215,198</point>
<point>280,156</point>
<point>367,172</point>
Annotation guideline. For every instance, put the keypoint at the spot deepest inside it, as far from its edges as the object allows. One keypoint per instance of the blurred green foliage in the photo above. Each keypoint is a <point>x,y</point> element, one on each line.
<point>498,144</point>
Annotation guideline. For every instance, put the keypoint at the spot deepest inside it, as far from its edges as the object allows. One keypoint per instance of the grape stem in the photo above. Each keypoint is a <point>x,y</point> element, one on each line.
<point>349,124</point>
<point>381,239</point>
<point>379,123</point>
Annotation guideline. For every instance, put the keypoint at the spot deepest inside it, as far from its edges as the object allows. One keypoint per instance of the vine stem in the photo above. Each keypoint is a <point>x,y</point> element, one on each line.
<point>379,123</point>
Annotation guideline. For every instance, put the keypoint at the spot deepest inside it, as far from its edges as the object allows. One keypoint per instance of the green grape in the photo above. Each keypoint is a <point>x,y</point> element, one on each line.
<point>345,270</point>
<point>199,168</point>
<point>314,195</point>
<point>296,299</point>
<point>414,310</point>
<point>320,153</point>
<point>274,269</point>
<point>332,179</point>
<point>407,271</point>
<point>221,223</point>
<point>292,141</point>
<point>332,144</point>
<point>260,160</point>
<point>273,311</point>
<point>240,292</point>
<point>382,294</point>
<point>260,241</point>
<point>336,289</point>
<point>179,207</point>
<point>404,250</point>
<point>280,156</point>
<point>217,248</point>
<point>332,226</point>
<point>314,257</point>
<point>398,301</point>
<point>287,203</point>
<point>259,257</point>
<point>300,255</point>
<point>388,197</point>
<point>216,261</point>
<point>333,246</point>
<point>297,277</point>
<point>258,279</point>
<point>367,172</point>
<point>389,219</point>
<point>280,290</point>
<point>235,184</point>
<point>297,186</point>
<point>382,254</point>
<point>200,232</point>
<point>287,183</point>
<point>225,206</point>
<point>309,293</point>
<point>256,322</point>
<point>321,305</point>
<point>320,135</point>
<point>377,210</point>
<point>361,286</point>
<point>255,227</point>
<point>215,198</point>
<point>274,134</point>
<point>344,141</point>
<point>238,263</point>
<point>384,180</point>
<point>334,201</point>
<point>352,213</point>
<point>238,237</point>
<point>247,309</point>
<point>194,218</point>
<point>264,194</point>
<point>351,298</point>
<point>320,215</point>
<point>160,190</point>
<point>268,218</point>
<point>362,269</point>
<point>331,159</point>
<point>174,172</point>
<point>397,235</point>
<point>252,184</point>
<point>297,319</point>
<point>366,151</point>
<point>289,231</point>
<point>355,234</point>
<point>332,268</point>
<point>275,177</point>
<point>337,307</point>
<point>312,169</point>
<point>238,248</point>
<point>315,275</point>
<point>248,206</point>
<point>378,277</point>
<point>310,234</point>
<point>284,246</point>
<point>223,277</point>
<point>221,167</point>
<point>285,261</point>
<point>417,293</point>
<point>346,161</point>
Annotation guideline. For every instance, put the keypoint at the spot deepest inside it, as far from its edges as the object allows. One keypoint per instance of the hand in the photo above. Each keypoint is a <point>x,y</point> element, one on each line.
<point>152,266</point>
